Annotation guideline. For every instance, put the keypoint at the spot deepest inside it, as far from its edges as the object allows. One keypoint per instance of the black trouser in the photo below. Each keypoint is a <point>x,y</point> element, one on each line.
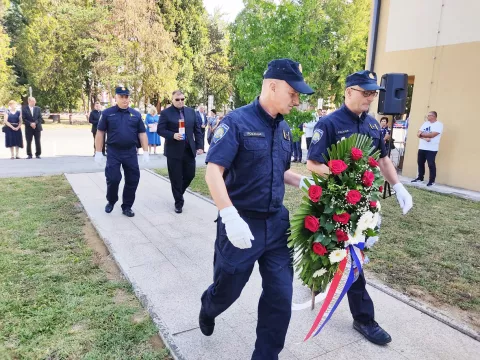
<point>129,162</point>
<point>29,135</point>
<point>429,157</point>
<point>94,132</point>
<point>361,306</point>
<point>181,173</point>
<point>309,141</point>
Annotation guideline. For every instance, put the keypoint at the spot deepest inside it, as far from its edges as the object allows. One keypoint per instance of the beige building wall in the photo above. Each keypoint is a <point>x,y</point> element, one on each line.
<point>437,42</point>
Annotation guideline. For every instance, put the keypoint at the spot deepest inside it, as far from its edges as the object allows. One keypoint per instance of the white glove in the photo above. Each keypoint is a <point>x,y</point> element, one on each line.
<point>404,198</point>
<point>98,158</point>
<point>302,184</point>
<point>237,229</point>
<point>146,157</point>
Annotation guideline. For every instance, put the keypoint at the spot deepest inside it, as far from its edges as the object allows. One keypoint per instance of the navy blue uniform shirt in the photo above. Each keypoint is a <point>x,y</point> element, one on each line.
<point>122,126</point>
<point>343,123</point>
<point>255,150</point>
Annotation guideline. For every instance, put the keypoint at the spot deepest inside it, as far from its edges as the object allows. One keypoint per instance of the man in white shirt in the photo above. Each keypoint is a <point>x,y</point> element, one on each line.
<point>430,133</point>
<point>308,127</point>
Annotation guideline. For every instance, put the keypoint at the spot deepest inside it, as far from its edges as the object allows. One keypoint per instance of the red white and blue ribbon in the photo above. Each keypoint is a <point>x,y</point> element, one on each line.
<point>342,280</point>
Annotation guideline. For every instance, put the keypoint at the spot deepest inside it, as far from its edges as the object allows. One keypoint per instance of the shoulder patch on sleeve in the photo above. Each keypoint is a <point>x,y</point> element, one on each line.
<point>317,135</point>
<point>220,132</point>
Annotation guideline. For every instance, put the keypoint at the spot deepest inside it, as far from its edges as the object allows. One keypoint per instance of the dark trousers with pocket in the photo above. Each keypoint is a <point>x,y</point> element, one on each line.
<point>297,150</point>
<point>309,141</point>
<point>233,267</point>
<point>181,173</point>
<point>361,305</point>
<point>429,157</point>
<point>128,160</point>
<point>31,134</point>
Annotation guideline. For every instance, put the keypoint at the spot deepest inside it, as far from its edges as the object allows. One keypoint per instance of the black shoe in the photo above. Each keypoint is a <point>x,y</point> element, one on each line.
<point>38,157</point>
<point>417,180</point>
<point>104,154</point>
<point>430,183</point>
<point>207,324</point>
<point>29,156</point>
<point>294,160</point>
<point>128,212</point>
<point>373,332</point>
<point>109,208</point>
<point>178,210</point>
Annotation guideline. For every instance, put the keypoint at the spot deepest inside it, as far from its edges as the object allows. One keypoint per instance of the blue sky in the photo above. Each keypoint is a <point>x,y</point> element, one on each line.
<point>229,7</point>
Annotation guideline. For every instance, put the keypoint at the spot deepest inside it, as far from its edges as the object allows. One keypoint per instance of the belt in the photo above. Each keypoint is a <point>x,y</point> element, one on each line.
<point>256,214</point>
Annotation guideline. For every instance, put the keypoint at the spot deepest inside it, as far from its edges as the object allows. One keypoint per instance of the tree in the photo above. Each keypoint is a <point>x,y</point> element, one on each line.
<point>187,20</point>
<point>214,77</point>
<point>7,77</point>
<point>325,36</point>
<point>139,53</point>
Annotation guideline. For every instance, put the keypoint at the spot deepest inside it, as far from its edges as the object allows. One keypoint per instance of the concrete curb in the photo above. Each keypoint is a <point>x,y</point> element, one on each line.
<point>163,331</point>
<point>427,310</point>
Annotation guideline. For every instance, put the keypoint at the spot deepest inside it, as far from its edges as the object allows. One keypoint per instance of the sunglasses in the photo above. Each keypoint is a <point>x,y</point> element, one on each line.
<point>367,93</point>
<point>182,99</point>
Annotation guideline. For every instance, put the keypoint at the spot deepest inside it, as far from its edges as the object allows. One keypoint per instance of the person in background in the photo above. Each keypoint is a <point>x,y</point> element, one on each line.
<point>32,118</point>
<point>93,119</point>
<point>387,134</point>
<point>212,120</point>
<point>180,149</point>
<point>297,147</point>
<point>308,127</point>
<point>152,123</point>
<point>429,134</point>
<point>13,130</point>
<point>202,120</point>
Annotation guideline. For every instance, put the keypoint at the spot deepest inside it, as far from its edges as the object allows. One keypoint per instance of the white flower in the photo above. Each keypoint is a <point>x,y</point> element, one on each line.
<point>365,221</point>
<point>319,272</point>
<point>337,256</point>
<point>378,206</point>
<point>376,219</point>
<point>371,241</point>
<point>357,238</point>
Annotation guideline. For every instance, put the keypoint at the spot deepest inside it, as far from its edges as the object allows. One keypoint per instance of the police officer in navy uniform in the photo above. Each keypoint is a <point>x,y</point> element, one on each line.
<point>352,118</point>
<point>248,167</point>
<point>124,128</point>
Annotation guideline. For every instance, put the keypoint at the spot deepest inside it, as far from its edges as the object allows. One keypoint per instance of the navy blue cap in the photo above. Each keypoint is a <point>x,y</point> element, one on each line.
<point>291,72</point>
<point>367,80</point>
<point>122,90</point>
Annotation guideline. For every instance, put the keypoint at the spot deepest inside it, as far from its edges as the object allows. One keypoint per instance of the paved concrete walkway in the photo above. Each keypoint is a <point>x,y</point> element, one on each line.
<point>168,259</point>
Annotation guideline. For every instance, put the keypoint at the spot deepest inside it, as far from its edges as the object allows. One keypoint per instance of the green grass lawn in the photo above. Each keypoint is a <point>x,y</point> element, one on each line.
<point>59,299</point>
<point>431,253</point>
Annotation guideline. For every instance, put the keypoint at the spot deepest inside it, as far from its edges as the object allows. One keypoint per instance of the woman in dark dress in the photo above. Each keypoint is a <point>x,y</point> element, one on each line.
<point>13,130</point>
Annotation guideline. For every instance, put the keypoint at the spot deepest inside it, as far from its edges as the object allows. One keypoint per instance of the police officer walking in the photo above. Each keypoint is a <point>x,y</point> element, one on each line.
<point>248,167</point>
<point>124,128</point>
<point>352,118</point>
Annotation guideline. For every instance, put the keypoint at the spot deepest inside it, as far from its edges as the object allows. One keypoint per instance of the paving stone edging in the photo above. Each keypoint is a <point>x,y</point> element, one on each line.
<point>427,310</point>
<point>163,331</point>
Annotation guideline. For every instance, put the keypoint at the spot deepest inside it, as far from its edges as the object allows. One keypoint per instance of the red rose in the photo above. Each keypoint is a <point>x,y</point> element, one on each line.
<point>319,249</point>
<point>373,204</point>
<point>353,197</point>
<point>341,235</point>
<point>342,218</point>
<point>315,192</point>
<point>372,162</point>
<point>357,154</point>
<point>368,178</point>
<point>380,188</point>
<point>337,166</point>
<point>311,223</point>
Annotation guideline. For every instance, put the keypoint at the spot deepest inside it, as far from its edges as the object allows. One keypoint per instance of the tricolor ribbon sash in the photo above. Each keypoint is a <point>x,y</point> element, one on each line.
<point>341,282</point>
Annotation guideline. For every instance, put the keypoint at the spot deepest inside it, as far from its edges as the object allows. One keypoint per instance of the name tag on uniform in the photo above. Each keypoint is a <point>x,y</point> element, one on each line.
<point>254,134</point>
<point>343,131</point>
